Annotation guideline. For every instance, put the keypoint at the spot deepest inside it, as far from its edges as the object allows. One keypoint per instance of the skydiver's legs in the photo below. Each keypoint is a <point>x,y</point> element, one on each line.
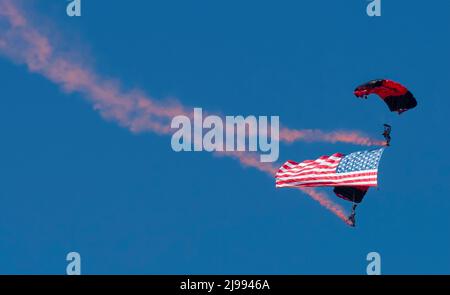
<point>387,134</point>
<point>387,137</point>
<point>352,218</point>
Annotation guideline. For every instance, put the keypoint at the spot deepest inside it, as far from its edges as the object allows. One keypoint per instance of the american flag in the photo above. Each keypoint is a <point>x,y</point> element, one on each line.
<point>355,169</point>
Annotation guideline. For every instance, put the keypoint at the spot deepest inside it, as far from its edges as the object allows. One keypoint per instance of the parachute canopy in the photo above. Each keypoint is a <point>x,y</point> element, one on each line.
<point>353,194</point>
<point>396,96</point>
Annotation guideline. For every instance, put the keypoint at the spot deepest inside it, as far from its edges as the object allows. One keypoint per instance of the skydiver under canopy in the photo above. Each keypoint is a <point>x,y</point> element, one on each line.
<point>354,195</point>
<point>387,134</point>
<point>351,176</point>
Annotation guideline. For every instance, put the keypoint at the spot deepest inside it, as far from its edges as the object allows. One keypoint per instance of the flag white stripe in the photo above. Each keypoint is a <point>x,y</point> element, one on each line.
<point>334,165</point>
<point>345,179</point>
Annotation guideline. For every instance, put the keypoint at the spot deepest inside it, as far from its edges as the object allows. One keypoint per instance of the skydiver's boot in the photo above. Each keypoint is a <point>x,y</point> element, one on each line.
<point>352,221</point>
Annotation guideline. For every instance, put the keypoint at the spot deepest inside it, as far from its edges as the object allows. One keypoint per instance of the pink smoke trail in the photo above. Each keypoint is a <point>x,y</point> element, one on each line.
<point>311,135</point>
<point>21,42</point>
<point>323,200</point>
<point>131,109</point>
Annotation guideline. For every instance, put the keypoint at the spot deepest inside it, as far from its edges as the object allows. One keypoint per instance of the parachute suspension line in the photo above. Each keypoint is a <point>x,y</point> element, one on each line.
<point>354,203</point>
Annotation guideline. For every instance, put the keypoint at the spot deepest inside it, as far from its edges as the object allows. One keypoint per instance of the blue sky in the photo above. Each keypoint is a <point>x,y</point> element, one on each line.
<point>71,181</point>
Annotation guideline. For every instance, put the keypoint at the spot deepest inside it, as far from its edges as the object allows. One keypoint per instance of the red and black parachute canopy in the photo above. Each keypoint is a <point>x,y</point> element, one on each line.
<point>396,96</point>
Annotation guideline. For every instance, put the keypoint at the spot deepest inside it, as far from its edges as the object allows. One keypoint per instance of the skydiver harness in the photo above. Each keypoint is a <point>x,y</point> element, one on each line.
<point>387,134</point>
